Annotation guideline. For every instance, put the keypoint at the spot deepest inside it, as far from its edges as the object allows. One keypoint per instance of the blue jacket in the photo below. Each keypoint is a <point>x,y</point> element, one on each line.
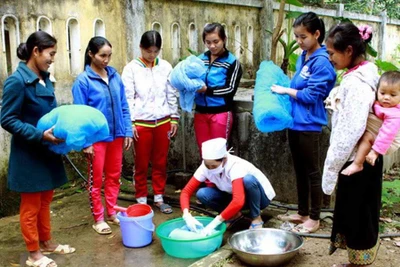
<point>222,80</point>
<point>90,89</point>
<point>32,166</point>
<point>314,79</point>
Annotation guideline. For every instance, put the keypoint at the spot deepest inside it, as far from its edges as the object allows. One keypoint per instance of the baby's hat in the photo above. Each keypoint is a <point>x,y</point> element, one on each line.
<point>214,148</point>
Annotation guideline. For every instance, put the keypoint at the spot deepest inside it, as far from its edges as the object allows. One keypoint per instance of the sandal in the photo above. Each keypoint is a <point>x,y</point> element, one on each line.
<point>232,222</point>
<point>289,218</point>
<point>113,220</point>
<point>256,225</point>
<point>102,228</point>
<point>42,262</point>
<point>60,249</point>
<point>164,208</point>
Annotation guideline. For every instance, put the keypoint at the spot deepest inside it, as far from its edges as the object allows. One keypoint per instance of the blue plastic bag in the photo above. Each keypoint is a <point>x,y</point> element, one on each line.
<point>271,111</point>
<point>188,77</point>
<point>78,125</point>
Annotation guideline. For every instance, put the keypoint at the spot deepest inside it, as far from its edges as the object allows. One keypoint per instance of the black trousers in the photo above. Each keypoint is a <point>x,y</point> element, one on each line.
<point>305,148</point>
<point>356,216</point>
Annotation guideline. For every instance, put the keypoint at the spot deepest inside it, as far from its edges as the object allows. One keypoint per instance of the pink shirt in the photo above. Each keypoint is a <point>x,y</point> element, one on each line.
<point>390,127</point>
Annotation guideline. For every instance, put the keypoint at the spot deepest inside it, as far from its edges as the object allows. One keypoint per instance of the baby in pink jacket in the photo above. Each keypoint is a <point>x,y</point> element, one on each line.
<point>382,135</point>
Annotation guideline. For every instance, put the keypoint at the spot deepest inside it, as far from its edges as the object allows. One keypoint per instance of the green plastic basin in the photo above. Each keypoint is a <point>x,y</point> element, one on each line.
<point>188,249</point>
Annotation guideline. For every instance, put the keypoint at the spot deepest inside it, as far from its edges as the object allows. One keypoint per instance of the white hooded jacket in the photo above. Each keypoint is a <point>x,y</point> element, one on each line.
<point>354,99</point>
<point>150,95</point>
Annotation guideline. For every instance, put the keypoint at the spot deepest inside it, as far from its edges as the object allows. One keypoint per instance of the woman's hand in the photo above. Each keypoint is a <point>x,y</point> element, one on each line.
<point>128,142</point>
<point>284,90</point>
<point>135,133</point>
<point>279,89</point>
<point>174,129</point>
<point>49,137</point>
<point>202,89</point>
<point>89,152</point>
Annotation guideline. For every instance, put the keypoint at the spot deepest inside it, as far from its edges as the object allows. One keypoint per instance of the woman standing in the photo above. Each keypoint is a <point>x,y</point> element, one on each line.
<point>154,113</point>
<point>358,196</point>
<point>311,84</point>
<point>214,102</point>
<point>101,87</point>
<point>28,95</point>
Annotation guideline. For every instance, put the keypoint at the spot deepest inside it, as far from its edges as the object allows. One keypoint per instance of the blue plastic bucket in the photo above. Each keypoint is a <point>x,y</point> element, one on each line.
<point>137,231</point>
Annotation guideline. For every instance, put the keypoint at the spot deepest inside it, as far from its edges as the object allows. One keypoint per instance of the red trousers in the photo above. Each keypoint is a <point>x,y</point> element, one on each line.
<point>210,126</point>
<point>152,146</point>
<point>34,218</point>
<point>107,160</point>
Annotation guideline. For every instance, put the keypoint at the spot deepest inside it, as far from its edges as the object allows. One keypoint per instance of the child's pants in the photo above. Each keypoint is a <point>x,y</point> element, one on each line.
<point>152,145</point>
<point>35,218</point>
<point>108,160</point>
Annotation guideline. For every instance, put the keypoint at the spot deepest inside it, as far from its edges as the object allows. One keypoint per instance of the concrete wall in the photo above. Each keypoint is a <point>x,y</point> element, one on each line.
<point>59,13</point>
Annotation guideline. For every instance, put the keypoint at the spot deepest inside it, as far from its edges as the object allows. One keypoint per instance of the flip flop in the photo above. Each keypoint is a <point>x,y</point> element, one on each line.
<point>165,208</point>
<point>289,218</point>
<point>102,228</point>
<point>42,262</point>
<point>256,225</point>
<point>60,249</point>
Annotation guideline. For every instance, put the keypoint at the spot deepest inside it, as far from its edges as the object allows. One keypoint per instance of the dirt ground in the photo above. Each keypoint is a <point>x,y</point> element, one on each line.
<point>71,222</point>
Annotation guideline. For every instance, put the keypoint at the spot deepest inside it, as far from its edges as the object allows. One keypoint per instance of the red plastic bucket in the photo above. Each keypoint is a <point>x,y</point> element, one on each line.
<point>137,228</point>
<point>135,210</point>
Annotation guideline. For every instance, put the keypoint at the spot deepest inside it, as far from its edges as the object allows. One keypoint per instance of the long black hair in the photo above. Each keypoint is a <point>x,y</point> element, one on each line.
<point>40,39</point>
<point>312,23</point>
<point>151,38</point>
<point>94,45</point>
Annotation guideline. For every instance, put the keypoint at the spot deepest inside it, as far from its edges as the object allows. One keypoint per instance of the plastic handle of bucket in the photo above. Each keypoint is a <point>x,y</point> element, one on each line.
<point>120,208</point>
<point>145,228</point>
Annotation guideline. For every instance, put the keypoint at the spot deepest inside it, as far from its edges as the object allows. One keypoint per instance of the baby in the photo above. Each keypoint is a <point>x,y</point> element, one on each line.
<point>382,134</point>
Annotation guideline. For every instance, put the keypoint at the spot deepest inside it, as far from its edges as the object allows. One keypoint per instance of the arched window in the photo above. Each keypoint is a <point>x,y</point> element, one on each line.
<point>10,40</point>
<point>250,45</point>
<point>43,23</point>
<point>156,26</point>
<point>193,37</point>
<point>238,38</point>
<point>73,46</point>
<point>99,28</point>
<point>175,42</point>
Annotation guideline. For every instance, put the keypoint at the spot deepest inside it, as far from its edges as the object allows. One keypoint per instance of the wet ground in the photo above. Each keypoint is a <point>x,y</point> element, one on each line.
<point>72,221</point>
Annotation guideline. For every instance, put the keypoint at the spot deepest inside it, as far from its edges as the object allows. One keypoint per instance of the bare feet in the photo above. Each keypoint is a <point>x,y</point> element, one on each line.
<point>352,168</point>
<point>308,227</point>
<point>293,218</point>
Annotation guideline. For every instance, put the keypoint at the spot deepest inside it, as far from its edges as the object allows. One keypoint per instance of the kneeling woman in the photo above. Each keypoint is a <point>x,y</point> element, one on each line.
<point>239,184</point>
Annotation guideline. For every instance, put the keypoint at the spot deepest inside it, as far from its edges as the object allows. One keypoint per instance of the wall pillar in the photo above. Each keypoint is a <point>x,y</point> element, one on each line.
<point>266,23</point>
<point>135,26</point>
<point>381,42</point>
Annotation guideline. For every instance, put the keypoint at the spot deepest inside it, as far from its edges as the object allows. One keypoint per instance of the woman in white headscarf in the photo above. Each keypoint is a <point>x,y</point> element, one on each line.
<point>238,184</point>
